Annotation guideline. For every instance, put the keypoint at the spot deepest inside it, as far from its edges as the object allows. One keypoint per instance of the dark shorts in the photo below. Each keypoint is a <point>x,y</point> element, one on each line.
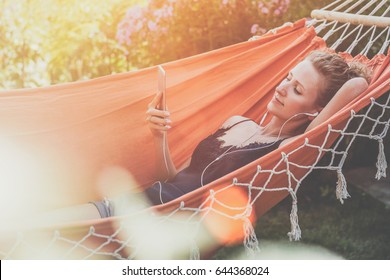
<point>121,205</point>
<point>105,208</point>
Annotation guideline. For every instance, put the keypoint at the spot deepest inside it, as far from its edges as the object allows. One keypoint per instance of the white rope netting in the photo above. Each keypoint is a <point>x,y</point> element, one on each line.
<point>361,26</point>
<point>152,235</point>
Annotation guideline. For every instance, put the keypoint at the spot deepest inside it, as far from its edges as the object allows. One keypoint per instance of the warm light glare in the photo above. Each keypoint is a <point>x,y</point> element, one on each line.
<point>33,183</point>
<point>20,186</point>
<point>150,234</point>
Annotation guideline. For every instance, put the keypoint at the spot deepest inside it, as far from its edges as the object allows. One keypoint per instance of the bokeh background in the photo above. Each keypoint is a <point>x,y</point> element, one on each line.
<point>45,42</point>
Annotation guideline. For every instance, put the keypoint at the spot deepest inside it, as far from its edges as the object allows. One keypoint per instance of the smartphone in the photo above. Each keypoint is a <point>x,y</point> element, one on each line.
<point>162,87</point>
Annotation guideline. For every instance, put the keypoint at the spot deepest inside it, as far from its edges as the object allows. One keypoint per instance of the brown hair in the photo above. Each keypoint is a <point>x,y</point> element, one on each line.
<point>336,72</point>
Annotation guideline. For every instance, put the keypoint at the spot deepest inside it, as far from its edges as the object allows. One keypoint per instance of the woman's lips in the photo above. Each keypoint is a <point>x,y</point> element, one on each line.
<point>277,100</point>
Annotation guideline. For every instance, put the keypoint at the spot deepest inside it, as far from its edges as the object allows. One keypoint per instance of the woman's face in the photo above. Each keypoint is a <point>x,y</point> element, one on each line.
<point>298,92</point>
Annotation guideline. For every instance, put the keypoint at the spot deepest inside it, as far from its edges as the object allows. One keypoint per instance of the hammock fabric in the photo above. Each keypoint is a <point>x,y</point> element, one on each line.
<point>77,130</point>
<point>101,122</point>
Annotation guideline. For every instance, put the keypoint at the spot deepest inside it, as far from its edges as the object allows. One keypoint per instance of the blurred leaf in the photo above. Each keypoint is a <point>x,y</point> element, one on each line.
<point>54,41</point>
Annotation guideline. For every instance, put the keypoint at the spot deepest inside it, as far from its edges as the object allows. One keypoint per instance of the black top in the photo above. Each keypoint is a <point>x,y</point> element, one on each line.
<point>204,162</point>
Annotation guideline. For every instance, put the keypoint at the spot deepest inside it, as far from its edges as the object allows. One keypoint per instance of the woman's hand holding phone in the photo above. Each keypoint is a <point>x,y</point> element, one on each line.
<point>158,120</point>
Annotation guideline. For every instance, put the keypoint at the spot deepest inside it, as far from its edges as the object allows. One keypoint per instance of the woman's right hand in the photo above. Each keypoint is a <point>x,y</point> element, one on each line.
<point>158,120</point>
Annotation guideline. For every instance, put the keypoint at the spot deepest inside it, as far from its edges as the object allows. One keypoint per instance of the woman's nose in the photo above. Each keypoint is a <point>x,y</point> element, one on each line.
<point>282,89</point>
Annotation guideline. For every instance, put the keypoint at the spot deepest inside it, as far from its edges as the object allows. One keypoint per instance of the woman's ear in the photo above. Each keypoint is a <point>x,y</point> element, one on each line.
<point>314,114</point>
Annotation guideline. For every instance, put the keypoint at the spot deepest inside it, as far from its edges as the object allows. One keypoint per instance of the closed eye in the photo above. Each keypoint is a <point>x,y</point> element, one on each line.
<point>297,84</point>
<point>297,91</point>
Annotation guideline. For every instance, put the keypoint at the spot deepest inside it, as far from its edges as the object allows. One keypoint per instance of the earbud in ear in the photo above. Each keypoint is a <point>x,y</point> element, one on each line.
<point>311,114</point>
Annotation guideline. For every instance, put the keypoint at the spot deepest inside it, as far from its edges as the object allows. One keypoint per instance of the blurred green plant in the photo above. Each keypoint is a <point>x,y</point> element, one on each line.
<point>19,46</point>
<point>168,30</point>
<point>49,42</point>
<point>55,41</point>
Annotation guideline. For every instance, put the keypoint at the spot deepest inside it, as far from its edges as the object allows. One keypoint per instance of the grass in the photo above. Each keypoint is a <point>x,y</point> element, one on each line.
<point>358,229</point>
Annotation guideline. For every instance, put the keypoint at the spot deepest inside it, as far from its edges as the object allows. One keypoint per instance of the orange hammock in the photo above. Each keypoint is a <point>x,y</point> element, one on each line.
<point>75,131</point>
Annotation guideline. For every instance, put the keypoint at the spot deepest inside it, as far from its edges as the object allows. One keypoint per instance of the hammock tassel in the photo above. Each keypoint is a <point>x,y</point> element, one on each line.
<point>194,253</point>
<point>250,241</point>
<point>341,188</point>
<point>295,233</point>
<point>381,163</point>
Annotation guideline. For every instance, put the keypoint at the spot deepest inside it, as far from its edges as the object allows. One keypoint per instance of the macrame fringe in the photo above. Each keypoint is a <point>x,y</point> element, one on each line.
<point>341,188</point>
<point>295,233</point>
<point>250,241</point>
<point>381,163</point>
<point>194,253</point>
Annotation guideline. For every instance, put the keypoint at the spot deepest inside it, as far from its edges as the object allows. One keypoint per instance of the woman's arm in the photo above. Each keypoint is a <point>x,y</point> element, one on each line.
<point>164,164</point>
<point>159,123</point>
<point>349,91</point>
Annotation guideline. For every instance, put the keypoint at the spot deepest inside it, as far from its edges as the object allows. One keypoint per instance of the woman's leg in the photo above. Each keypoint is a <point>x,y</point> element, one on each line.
<point>75,213</point>
<point>122,204</point>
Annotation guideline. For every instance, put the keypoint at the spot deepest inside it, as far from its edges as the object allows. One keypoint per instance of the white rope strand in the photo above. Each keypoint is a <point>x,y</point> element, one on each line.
<point>354,6</point>
<point>344,3</point>
<point>377,7</point>
<point>386,43</point>
<point>365,7</point>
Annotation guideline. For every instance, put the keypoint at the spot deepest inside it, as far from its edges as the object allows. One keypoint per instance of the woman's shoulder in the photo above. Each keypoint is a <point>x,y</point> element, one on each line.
<point>233,121</point>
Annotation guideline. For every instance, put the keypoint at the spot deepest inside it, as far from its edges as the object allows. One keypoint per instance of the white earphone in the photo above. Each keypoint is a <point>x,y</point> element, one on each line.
<point>253,149</point>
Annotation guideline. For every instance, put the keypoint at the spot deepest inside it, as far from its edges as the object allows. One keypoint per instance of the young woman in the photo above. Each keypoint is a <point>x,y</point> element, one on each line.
<point>313,91</point>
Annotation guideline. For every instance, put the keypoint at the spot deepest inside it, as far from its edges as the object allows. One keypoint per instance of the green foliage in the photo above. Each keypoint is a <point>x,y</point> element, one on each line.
<point>54,41</point>
<point>168,30</point>
<point>48,42</point>
<point>19,46</point>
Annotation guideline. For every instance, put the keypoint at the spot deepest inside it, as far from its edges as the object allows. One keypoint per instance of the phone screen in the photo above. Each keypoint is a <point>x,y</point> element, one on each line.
<point>162,87</point>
